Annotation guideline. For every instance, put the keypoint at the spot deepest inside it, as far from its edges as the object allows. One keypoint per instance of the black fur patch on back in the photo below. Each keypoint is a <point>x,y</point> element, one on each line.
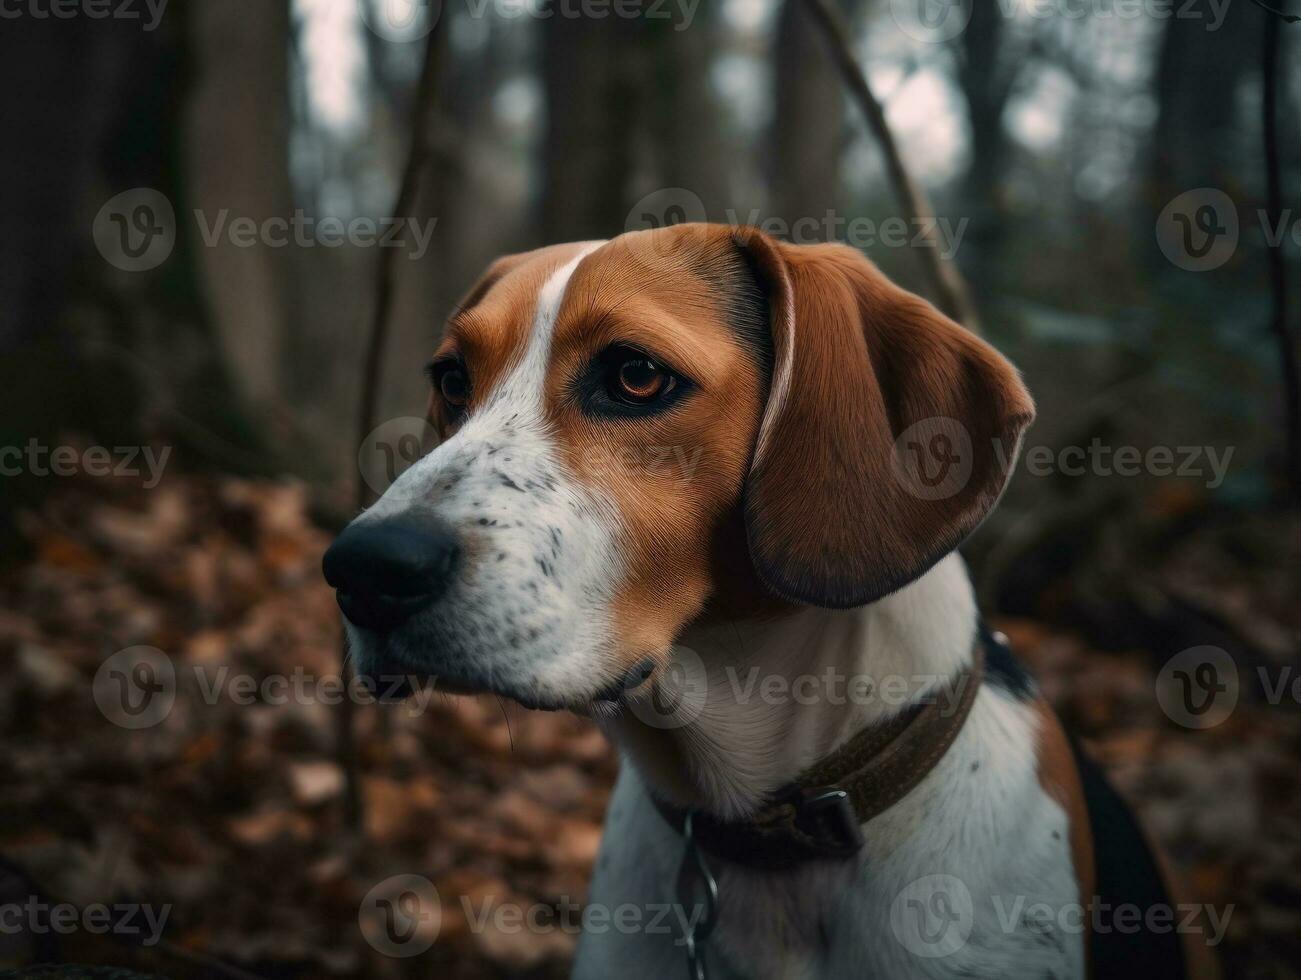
<point>1003,669</point>
<point>1127,875</point>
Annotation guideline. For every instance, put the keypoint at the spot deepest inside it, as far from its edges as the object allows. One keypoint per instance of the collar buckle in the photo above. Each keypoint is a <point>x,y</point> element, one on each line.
<point>829,813</point>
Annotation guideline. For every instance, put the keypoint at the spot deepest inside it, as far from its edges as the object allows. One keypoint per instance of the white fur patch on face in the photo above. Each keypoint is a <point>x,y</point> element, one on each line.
<point>528,614</point>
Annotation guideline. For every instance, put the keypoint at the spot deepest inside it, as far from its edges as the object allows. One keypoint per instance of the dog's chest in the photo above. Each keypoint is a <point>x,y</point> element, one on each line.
<point>950,883</point>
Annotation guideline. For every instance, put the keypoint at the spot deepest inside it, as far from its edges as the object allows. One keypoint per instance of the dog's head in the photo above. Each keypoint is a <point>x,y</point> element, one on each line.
<point>634,426</point>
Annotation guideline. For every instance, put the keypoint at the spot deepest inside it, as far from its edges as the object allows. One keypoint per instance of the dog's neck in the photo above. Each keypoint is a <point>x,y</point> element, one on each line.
<point>785,691</point>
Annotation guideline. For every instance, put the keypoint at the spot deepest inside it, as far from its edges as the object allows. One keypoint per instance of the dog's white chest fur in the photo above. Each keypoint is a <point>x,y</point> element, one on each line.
<point>947,885</point>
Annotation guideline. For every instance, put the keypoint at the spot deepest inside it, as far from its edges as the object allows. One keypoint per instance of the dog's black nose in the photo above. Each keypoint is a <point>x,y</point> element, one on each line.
<point>384,571</point>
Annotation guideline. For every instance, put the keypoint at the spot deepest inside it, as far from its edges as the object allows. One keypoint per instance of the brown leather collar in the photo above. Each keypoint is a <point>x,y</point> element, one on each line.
<point>820,814</point>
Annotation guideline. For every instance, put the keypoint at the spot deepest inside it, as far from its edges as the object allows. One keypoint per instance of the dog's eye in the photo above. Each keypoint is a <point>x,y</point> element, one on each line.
<point>452,383</point>
<point>635,379</point>
<point>455,387</point>
<point>624,381</point>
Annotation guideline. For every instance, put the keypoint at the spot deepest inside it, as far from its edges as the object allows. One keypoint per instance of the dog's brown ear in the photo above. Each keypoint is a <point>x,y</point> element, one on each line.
<point>889,432</point>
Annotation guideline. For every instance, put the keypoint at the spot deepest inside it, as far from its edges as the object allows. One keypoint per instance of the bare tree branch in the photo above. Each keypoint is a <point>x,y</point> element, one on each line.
<point>1287,353</point>
<point>950,290</point>
<point>422,127</point>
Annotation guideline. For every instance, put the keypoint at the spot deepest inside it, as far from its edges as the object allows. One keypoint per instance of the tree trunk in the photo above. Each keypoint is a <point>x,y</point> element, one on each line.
<point>1198,76</point>
<point>986,83</point>
<point>238,140</point>
<point>808,130</point>
<point>686,146</point>
<point>592,100</point>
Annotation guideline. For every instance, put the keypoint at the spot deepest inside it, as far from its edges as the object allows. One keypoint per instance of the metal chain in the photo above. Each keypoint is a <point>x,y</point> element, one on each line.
<point>697,891</point>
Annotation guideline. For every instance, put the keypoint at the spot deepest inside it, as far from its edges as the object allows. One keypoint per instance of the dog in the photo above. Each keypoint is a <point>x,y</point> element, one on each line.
<point>915,810</point>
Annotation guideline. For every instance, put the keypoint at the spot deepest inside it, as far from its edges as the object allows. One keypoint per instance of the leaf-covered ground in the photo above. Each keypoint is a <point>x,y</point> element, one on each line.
<point>230,812</point>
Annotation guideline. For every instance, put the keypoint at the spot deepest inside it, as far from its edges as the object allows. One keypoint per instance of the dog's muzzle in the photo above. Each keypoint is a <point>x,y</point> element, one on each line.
<point>384,572</point>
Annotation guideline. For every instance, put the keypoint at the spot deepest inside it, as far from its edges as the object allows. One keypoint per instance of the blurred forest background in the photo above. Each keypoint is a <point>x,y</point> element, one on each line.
<point>1052,139</point>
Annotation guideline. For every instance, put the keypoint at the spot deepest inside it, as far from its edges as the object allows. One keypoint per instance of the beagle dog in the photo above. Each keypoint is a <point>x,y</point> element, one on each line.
<point>706,488</point>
